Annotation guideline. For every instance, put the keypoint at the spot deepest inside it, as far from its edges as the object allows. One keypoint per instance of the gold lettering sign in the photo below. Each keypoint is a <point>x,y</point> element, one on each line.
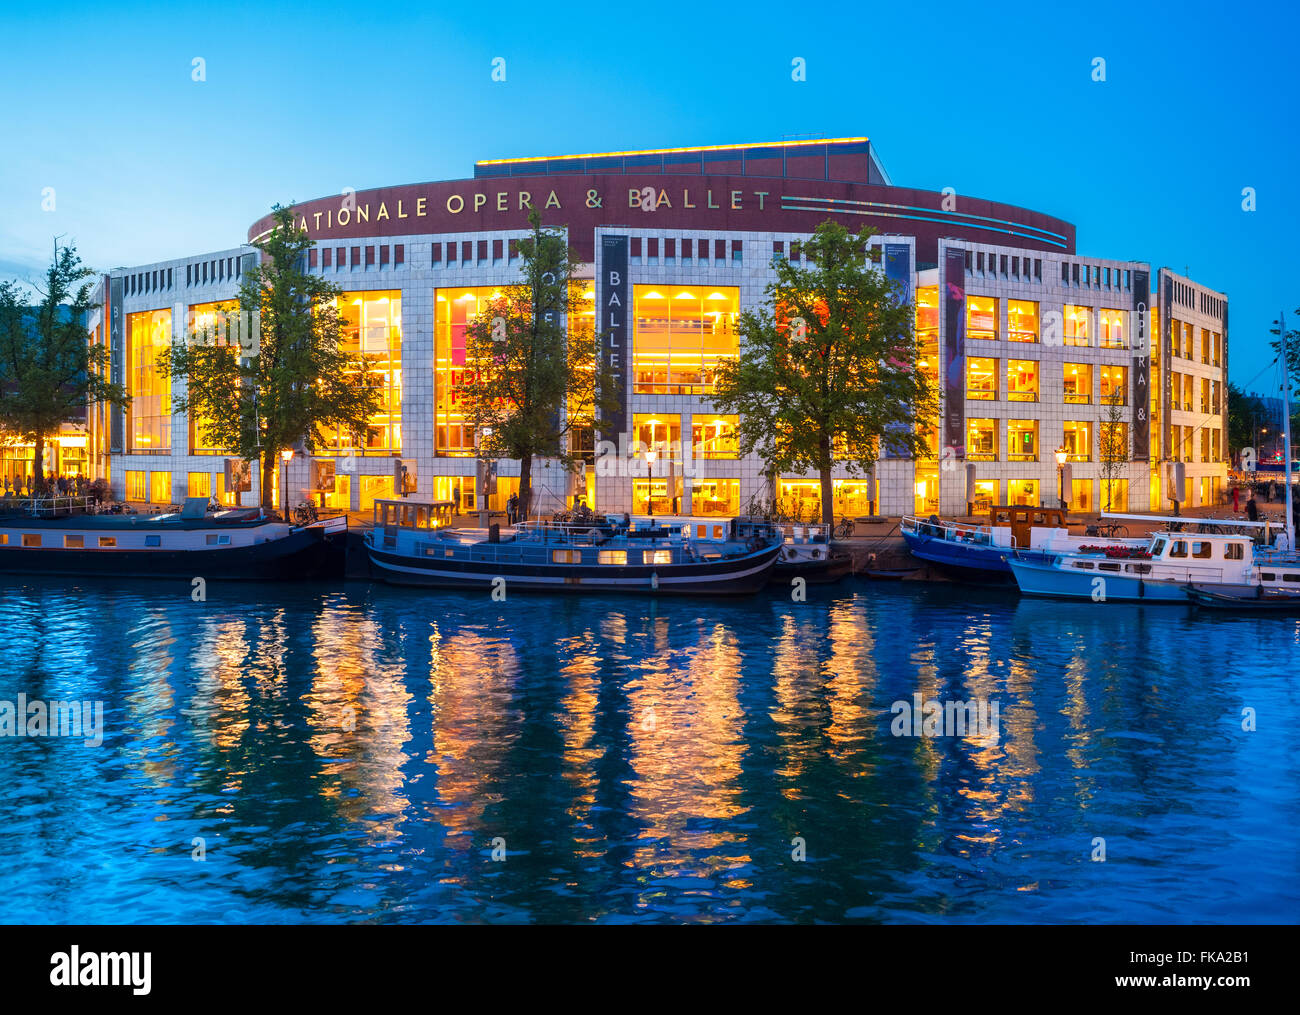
<point>460,204</point>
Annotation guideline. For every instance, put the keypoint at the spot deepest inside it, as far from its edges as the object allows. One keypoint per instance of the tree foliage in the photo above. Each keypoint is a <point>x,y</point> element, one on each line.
<point>828,366</point>
<point>287,381</point>
<point>533,376</point>
<point>50,372</point>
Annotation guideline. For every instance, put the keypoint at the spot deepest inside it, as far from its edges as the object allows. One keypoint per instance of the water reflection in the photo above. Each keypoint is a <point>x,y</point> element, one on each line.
<point>356,753</point>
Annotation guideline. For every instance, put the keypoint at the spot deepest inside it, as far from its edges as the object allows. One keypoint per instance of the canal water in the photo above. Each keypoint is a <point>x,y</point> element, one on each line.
<point>352,753</point>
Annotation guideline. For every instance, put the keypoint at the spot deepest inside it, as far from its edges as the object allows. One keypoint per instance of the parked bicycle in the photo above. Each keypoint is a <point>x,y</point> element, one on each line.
<point>844,528</point>
<point>1112,530</point>
<point>305,513</point>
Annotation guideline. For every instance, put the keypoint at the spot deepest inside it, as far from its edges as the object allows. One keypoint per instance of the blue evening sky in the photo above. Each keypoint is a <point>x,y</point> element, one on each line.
<point>994,100</point>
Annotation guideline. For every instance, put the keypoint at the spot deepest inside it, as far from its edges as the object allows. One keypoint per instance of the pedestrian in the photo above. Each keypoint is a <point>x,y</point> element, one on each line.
<point>455,497</point>
<point>1235,506</point>
<point>512,509</point>
<point>1252,509</point>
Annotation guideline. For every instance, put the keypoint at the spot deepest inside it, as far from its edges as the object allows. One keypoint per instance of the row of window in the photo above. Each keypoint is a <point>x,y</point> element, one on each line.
<point>1006,265</point>
<point>362,258</point>
<point>1022,445</point>
<point>1183,387</point>
<point>1022,381</point>
<point>1182,342</point>
<point>77,540</point>
<point>1074,325</point>
<point>1096,277</point>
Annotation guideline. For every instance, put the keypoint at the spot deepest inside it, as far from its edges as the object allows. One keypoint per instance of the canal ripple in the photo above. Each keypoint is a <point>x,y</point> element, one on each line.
<point>358,754</point>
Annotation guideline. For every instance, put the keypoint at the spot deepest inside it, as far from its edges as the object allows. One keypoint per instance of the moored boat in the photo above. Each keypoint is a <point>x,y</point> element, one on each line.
<point>1173,563</point>
<point>808,553</point>
<point>236,545</point>
<point>981,552</point>
<point>1257,600</point>
<point>407,546</point>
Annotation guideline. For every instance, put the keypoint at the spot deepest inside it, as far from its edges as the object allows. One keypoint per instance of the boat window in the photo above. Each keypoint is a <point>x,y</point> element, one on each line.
<point>153,540</point>
<point>612,556</point>
<point>107,541</point>
<point>211,539</point>
<point>686,530</point>
<point>658,556</point>
<point>1139,568</point>
<point>31,539</point>
<point>701,532</point>
<point>1157,548</point>
<point>217,539</point>
<point>76,542</point>
<point>717,532</point>
<point>421,518</point>
<point>1083,565</point>
<point>1268,576</point>
<point>4,539</point>
<point>1178,548</point>
<point>1234,551</point>
<point>1108,566</point>
<point>566,556</point>
<point>1291,577</point>
<point>1202,550</point>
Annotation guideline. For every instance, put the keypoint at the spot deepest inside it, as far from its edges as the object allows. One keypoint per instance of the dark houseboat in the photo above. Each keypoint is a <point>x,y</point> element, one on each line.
<point>409,546</point>
<point>236,545</point>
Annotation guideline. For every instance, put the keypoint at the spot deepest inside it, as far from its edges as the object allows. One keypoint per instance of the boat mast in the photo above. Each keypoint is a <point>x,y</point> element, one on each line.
<point>1286,431</point>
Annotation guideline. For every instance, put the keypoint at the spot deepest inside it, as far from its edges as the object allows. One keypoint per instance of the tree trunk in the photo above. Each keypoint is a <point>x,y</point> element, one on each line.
<point>828,504</point>
<point>38,472</point>
<point>525,485</point>
<point>268,477</point>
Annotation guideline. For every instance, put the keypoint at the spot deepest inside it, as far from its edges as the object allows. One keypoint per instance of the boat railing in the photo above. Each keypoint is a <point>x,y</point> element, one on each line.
<point>51,507</point>
<point>953,532</point>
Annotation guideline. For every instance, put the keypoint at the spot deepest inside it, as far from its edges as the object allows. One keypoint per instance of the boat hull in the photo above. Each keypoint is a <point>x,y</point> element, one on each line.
<point>739,576</point>
<point>303,554</point>
<point>1040,578</point>
<point>824,571</point>
<point>968,562</point>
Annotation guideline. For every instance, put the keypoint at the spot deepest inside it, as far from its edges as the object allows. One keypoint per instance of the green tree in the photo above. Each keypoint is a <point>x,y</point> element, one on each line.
<point>1113,446</point>
<point>292,381</point>
<point>534,382</point>
<point>1245,413</point>
<point>828,366</point>
<point>49,371</point>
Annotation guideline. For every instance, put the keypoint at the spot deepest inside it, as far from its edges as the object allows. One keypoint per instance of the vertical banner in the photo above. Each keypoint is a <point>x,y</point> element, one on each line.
<point>612,295</point>
<point>954,353</point>
<point>898,268</point>
<point>116,365</point>
<point>1141,386</point>
<point>1166,359</point>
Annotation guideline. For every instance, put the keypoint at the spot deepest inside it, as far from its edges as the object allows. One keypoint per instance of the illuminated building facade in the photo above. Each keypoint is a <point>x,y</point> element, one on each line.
<point>1028,342</point>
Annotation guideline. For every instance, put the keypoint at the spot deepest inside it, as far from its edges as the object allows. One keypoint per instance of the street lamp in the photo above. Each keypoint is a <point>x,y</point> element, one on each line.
<point>1061,456</point>
<point>650,456</point>
<point>286,455</point>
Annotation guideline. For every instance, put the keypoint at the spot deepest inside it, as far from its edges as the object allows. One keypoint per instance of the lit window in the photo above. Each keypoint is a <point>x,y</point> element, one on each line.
<point>982,440</point>
<point>1022,380</point>
<point>1077,380</point>
<point>74,542</point>
<point>149,336</point>
<point>1022,320</point>
<point>1022,440</point>
<point>1114,385</point>
<point>612,556</point>
<point>681,335</point>
<point>1078,441</point>
<point>981,378</point>
<point>1078,325</point>
<point>982,317</point>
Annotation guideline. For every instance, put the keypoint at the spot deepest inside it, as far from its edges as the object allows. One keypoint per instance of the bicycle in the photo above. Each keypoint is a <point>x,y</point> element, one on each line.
<point>305,513</point>
<point>844,529</point>
<point>1113,530</point>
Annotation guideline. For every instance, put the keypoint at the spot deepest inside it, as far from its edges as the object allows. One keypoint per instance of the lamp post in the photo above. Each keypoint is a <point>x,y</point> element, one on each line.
<point>1061,455</point>
<point>286,456</point>
<point>650,456</point>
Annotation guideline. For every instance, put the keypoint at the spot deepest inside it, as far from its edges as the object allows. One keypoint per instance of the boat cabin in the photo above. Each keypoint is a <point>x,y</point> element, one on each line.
<point>390,515</point>
<point>1021,520</point>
